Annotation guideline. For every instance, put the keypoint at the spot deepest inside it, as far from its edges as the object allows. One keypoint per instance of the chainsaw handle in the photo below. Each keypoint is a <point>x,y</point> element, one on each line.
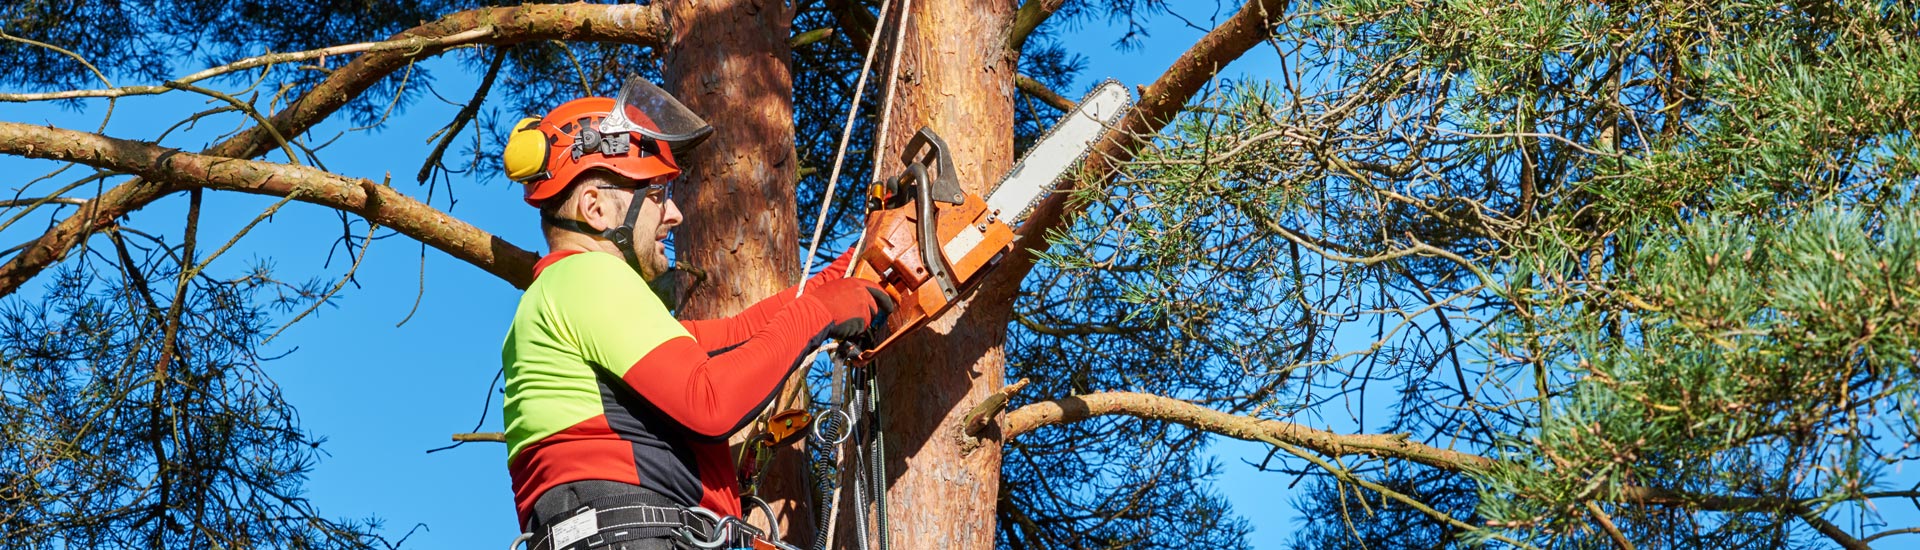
<point>946,185</point>
<point>928,232</point>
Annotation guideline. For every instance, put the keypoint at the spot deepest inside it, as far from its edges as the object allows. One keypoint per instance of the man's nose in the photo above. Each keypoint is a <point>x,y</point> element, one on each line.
<point>672,217</point>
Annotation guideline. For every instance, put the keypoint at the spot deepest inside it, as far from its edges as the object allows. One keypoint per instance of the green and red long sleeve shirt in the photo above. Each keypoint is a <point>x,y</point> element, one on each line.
<point>604,384</point>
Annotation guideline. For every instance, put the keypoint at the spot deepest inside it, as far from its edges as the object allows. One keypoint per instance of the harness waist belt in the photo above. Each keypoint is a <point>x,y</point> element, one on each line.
<point>601,523</point>
<point>609,520</point>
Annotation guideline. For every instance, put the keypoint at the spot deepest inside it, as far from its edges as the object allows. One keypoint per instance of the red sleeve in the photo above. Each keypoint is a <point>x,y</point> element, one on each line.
<point>719,335</point>
<point>715,395</point>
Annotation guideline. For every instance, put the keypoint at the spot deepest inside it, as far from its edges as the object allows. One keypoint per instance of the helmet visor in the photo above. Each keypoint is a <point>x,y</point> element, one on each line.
<point>677,126</point>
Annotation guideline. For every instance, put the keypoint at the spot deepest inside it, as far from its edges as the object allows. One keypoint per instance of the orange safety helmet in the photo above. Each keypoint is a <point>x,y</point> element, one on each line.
<point>635,136</point>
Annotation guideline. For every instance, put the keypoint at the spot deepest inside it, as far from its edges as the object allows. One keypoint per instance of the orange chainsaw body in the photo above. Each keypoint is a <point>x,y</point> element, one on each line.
<point>927,241</point>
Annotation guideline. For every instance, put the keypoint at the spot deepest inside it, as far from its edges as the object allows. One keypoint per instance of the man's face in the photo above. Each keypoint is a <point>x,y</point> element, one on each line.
<point>656,220</point>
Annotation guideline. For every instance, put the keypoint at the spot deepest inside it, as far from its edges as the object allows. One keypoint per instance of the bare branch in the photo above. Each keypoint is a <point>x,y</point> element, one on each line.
<point>465,115</point>
<point>856,23</point>
<point>588,22</point>
<point>1156,407</point>
<point>982,415</point>
<point>377,203</point>
<point>1046,95</point>
<point>1031,14</point>
<point>1606,524</point>
<point>33,202</point>
<point>1335,445</point>
<point>409,43</point>
<point>810,37</point>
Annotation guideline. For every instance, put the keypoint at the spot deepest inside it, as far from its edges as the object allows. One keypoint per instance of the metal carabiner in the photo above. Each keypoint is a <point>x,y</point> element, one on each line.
<point>722,530</point>
<point>845,428</point>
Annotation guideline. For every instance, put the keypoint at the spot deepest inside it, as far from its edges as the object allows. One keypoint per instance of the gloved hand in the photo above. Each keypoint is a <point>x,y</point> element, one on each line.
<point>856,305</point>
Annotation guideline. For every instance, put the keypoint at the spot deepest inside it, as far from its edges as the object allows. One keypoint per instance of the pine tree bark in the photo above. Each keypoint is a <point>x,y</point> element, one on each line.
<point>943,485</point>
<point>727,60</point>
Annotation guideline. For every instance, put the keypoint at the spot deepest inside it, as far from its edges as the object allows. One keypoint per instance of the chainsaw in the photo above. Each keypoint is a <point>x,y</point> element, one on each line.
<point>928,241</point>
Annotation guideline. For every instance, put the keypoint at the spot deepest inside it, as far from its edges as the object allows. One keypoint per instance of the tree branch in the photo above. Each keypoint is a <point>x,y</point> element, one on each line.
<point>982,414</point>
<point>1156,407</point>
<point>379,204</point>
<point>1395,446</point>
<point>586,22</point>
<point>856,23</point>
<point>1043,93</point>
<point>1031,14</point>
<point>465,115</point>
<point>495,437</point>
<point>408,43</point>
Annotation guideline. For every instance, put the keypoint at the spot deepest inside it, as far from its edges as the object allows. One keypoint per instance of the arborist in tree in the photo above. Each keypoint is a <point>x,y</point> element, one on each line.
<point>617,415</point>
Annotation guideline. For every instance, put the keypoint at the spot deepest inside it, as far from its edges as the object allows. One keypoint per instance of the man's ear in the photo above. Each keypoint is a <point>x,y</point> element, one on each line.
<point>590,210</point>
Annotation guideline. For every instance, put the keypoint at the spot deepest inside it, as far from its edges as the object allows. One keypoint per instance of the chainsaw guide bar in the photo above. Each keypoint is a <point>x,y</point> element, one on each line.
<point>1064,146</point>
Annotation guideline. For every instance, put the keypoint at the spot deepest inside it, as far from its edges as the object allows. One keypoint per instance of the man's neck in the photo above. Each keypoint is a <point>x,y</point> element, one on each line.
<point>568,240</point>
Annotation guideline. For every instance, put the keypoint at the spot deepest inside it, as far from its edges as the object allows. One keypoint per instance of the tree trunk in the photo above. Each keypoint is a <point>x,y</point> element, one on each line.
<point>957,78</point>
<point>727,60</point>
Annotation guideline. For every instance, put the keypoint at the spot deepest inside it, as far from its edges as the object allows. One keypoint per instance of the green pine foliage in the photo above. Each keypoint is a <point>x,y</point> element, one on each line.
<point>1636,252</point>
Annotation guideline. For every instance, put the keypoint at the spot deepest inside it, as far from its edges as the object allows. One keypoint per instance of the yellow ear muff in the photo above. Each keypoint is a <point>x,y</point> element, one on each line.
<point>526,154</point>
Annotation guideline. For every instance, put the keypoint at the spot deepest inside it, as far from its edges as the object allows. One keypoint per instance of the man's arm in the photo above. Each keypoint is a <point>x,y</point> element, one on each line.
<point>719,335</point>
<point>616,323</point>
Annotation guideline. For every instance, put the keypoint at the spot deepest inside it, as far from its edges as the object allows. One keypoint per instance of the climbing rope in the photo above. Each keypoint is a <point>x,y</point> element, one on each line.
<point>839,423</point>
<point>823,447</point>
<point>846,133</point>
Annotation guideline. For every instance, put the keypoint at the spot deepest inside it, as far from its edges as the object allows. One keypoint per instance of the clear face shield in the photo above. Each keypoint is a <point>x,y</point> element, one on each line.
<point>678,127</point>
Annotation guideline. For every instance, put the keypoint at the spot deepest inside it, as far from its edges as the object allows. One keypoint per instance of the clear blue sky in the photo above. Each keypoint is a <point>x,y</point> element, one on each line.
<point>381,395</point>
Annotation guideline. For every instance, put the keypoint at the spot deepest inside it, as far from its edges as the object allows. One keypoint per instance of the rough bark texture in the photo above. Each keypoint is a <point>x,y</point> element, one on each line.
<point>728,61</point>
<point>634,24</point>
<point>956,78</point>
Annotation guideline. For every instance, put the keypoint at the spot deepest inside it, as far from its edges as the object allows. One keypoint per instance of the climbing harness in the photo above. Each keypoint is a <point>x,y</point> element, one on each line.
<point>615,521</point>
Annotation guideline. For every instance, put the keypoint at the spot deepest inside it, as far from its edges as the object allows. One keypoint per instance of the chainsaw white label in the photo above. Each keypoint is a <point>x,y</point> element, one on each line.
<point>963,243</point>
<point>575,528</point>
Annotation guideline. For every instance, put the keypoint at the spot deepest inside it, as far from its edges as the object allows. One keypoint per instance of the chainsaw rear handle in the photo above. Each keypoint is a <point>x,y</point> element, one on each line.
<point>945,186</point>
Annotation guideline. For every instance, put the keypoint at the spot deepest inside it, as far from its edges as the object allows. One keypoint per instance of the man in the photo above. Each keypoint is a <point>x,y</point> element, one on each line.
<point>617,415</point>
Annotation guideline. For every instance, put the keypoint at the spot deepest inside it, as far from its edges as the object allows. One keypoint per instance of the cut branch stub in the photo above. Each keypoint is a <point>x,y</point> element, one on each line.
<point>982,415</point>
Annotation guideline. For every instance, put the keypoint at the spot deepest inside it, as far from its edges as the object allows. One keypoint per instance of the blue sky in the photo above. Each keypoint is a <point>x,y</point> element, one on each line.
<point>383,394</point>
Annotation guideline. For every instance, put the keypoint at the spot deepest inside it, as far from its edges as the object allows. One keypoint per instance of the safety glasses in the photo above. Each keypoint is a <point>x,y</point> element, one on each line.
<point>658,190</point>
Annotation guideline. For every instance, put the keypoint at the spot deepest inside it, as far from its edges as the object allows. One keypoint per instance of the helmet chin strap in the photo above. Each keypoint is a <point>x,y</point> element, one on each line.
<point>621,236</point>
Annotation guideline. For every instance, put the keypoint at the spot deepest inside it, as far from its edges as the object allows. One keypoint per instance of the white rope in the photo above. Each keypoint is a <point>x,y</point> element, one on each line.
<point>840,154</point>
<point>893,77</point>
<point>886,112</point>
<point>826,204</point>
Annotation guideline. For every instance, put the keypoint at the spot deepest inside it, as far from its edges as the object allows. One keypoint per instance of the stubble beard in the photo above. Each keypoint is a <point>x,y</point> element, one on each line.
<point>653,261</point>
